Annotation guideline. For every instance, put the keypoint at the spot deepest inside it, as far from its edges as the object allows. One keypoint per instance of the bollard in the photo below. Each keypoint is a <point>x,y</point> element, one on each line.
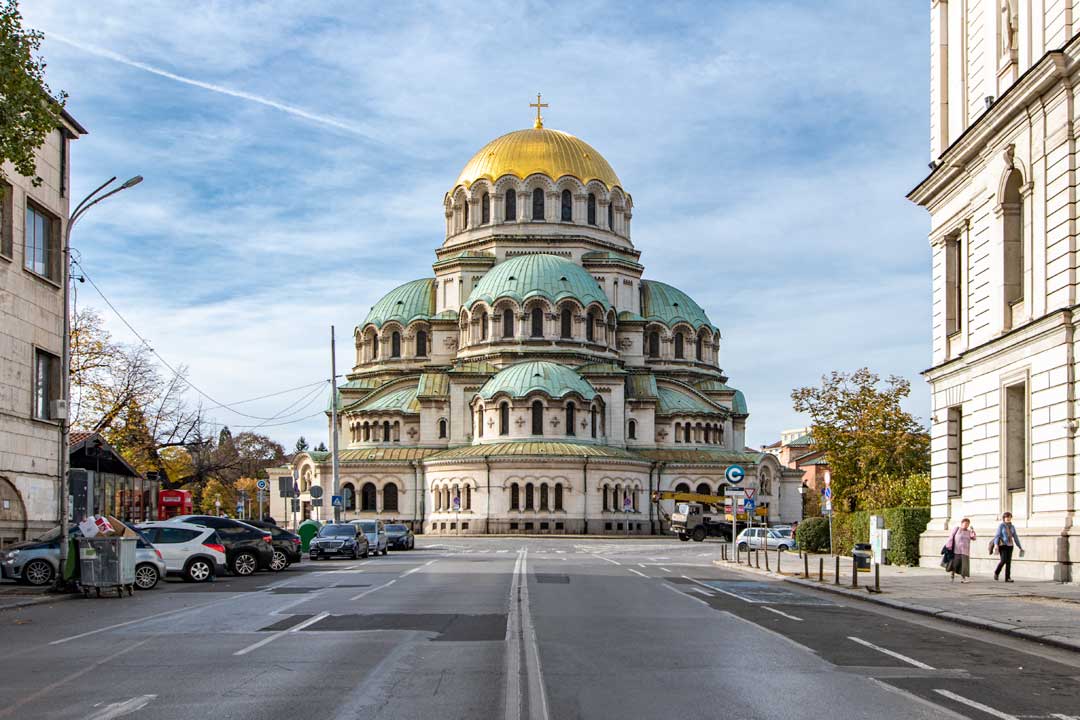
<point>836,578</point>
<point>766,559</point>
<point>877,578</point>
<point>821,569</point>
<point>806,567</point>
<point>854,572</point>
<point>757,559</point>
<point>778,571</point>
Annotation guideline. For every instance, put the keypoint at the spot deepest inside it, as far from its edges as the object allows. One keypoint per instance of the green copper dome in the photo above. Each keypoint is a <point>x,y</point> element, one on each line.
<point>545,276</point>
<point>405,303</point>
<point>668,305</point>
<point>550,378</point>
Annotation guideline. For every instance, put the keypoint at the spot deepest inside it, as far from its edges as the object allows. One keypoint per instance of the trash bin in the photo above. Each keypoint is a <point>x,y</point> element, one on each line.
<point>107,562</point>
<point>307,530</point>
<point>862,556</point>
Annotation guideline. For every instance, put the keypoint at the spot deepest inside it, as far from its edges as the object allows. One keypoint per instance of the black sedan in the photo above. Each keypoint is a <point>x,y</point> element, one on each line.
<point>286,544</point>
<point>342,539</point>
<point>400,537</point>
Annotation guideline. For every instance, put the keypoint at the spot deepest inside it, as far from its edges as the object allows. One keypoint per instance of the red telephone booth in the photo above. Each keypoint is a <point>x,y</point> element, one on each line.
<point>174,502</point>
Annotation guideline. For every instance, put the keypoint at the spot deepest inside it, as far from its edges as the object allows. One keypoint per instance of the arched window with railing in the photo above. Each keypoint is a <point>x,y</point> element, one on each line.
<point>538,204</point>
<point>510,206</point>
<point>567,206</point>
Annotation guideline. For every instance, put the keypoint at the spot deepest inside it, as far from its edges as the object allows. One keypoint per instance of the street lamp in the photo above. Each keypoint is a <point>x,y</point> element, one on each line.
<point>65,381</point>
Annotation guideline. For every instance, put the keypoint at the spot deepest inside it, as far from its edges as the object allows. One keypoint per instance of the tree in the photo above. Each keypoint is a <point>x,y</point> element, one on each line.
<point>874,448</point>
<point>321,448</point>
<point>215,491</point>
<point>301,445</point>
<point>29,110</point>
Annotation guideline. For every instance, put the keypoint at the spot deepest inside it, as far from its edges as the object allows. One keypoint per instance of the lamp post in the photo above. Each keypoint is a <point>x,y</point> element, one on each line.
<point>65,366</point>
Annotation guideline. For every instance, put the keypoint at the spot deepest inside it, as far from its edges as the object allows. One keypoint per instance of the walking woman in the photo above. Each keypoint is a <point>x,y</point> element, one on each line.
<point>1004,541</point>
<point>960,544</point>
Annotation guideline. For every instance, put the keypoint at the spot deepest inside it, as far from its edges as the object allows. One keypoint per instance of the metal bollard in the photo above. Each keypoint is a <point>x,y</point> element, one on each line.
<point>836,578</point>
<point>877,578</point>
<point>854,572</point>
<point>766,559</point>
<point>757,559</point>
<point>821,569</point>
<point>806,567</point>
<point>778,571</point>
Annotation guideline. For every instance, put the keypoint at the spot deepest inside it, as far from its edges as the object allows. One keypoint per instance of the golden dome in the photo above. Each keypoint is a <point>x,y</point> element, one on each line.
<point>538,150</point>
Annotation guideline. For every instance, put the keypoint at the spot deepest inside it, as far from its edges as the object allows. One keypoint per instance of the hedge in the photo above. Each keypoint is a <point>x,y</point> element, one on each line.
<point>906,525</point>
<point>813,534</point>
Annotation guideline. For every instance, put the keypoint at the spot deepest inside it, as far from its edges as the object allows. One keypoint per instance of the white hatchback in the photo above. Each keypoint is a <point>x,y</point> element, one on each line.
<point>194,552</point>
<point>763,538</point>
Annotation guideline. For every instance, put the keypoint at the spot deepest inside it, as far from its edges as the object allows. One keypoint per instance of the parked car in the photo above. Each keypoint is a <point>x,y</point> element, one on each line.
<point>193,552</point>
<point>286,544</point>
<point>340,539</point>
<point>247,548</point>
<point>763,538</point>
<point>37,561</point>
<point>375,532</point>
<point>400,537</point>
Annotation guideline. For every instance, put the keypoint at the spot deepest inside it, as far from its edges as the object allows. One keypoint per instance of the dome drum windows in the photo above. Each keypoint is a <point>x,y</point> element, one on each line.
<point>538,205</point>
<point>485,209</point>
<point>567,207</point>
<point>510,206</point>
<point>591,208</point>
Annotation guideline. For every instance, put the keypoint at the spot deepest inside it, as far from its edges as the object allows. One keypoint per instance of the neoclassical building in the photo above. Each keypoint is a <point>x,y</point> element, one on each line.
<point>534,382</point>
<point>1002,204</point>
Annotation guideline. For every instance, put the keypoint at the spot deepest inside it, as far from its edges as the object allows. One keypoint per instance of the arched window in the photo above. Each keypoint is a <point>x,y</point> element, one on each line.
<point>682,487</point>
<point>686,432</point>
<point>436,499</point>
<point>467,502</point>
<point>633,499</point>
<point>654,344</point>
<point>567,206</point>
<point>592,419</point>
<point>504,418</point>
<point>483,325</point>
<point>395,344</point>
<point>348,493</point>
<point>679,351</point>
<point>592,209</point>
<point>703,489</point>
<point>374,346</point>
<point>1013,217</point>
<point>538,204</point>
<point>529,503</point>
<point>631,430</point>
<point>367,498</point>
<point>442,428</point>
<point>510,213</point>
<point>421,343</point>
<point>719,434</point>
<point>607,499</point>
<point>615,507</point>
<point>537,322</point>
<point>537,418</point>
<point>558,496</point>
<point>590,322</point>
<point>386,431</point>
<point>544,496</point>
<point>678,432</point>
<point>508,323</point>
<point>700,348</point>
<point>570,429</point>
<point>611,216</point>
<point>390,497</point>
<point>480,422</point>
<point>515,497</point>
<point>465,215</point>
<point>397,431</point>
<point>485,209</point>
<point>565,323</point>
<point>367,432</point>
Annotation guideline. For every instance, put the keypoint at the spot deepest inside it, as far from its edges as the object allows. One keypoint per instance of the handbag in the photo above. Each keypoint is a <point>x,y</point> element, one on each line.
<point>947,553</point>
<point>992,548</point>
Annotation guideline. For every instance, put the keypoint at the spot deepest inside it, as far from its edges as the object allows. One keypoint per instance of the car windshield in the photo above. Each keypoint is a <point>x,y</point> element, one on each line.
<point>786,532</point>
<point>396,528</point>
<point>336,530</point>
<point>368,527</point>
<point>49,536</point>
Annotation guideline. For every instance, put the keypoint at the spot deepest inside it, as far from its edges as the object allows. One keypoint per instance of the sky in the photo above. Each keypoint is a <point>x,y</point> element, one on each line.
<point>296,155</point>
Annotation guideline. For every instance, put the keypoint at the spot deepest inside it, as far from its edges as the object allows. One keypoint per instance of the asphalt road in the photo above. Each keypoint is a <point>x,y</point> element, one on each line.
<point>514,628</point>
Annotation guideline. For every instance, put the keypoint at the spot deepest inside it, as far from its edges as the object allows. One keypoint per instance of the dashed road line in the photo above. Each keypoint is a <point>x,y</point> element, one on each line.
<point>281,633</point>
<point>120,709</point>
<point>977,705</point>
<point>613,562</point>
<point>637,573</point>
<point>892,653</point>
<point>779,612</point>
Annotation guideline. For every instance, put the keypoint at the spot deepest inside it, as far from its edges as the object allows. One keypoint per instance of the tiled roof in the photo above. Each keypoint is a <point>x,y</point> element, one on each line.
<point>77,436</point>
<point>405,303</point>
<point>700,456</point>
<point>433,385</point>
<point>538,275</point>
<point>397,400</point>
<point>552,379</point>
<point>388,454</point>
<point>535,449</point>
<point>674,402</point>
<point>627,316</point>
<point>641,386</point>
<point>669,305</point>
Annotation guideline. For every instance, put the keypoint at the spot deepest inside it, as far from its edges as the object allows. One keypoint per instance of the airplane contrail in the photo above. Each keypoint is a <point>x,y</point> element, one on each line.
<point>268,102</point>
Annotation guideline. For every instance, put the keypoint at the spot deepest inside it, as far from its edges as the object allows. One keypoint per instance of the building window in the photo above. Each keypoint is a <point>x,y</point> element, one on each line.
<point>590,321</point>
<point>41,244</point>
<point>953,287</point>
<point>567,206</point>
<point>5,219</point>
<point>565,323</point>
<point>955,436</point>
<point>374,347</point>
<point>592,419</point>
<point>544,496</point>
<point>570,430</point>
<point>483,325</point>
<point>538,204</point>
<point>611,216</point>
<point>465,215</point>
<point>390,497</point>
<point>631,430</point>
<point>686,432</point>
<point>442,428</point>
<point>1013,217</point>
<point>468,499</point>
<point>703,489</point>
<point>537,317</point>
<point>386,431</point>
<point>368,498</point>
<point>700,351</point>
<point>485,209</point>
<point>46,383</point>
<point>508,323</point>
<point>395,344</point>
<point>421,343</point>
<point>678,432</point>
<point>348,497</point>
<point>537,418</point>
<point>654,344</point>
<point>679,351</point>
<point>366,432</point>
<point>515,497</point>
<point>529,505</point>
<point>504,418</point>
<point>558,496</point>
<point>1016,438</point>
<point>592,209</point>
<point>510,213</point>
<point>480,422</point>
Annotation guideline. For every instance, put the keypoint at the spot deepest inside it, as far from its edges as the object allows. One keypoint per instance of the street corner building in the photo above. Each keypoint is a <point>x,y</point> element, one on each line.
<point>1002,202</point>
<point>534,382</point>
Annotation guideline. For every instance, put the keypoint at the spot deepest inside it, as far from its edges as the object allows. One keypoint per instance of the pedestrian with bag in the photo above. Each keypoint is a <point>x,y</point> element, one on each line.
<point>1005,539</point>
<point>960,545</point>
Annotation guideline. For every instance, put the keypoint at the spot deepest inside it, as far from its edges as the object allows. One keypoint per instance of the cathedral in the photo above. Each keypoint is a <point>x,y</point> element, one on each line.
<point>533,382</point>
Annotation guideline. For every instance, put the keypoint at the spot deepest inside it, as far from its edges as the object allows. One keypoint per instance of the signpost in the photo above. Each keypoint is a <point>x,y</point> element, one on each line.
<point>828,505</point>
<point>316,497</point>
<point>337,501</point>
<point>456,502</point>
<point>263,486</point>
<point>734,475</point>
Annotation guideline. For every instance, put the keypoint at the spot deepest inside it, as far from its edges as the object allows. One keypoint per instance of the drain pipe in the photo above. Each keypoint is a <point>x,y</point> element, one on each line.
<point>652,524</point>
<point>585,493</point>
<point>487,514</point>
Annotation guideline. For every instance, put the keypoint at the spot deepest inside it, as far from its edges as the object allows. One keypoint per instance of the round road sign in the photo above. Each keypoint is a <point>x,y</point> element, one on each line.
<point>316,491</point>
<point>263,484</point>
<point>734,474</point>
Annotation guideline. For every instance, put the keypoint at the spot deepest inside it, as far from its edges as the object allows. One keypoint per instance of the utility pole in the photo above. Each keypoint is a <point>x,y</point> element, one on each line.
<point>334,428</point>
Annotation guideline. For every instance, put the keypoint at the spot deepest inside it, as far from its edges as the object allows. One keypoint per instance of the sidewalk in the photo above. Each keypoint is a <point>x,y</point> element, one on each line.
<point>1033,610</point>
<point>13,595</point>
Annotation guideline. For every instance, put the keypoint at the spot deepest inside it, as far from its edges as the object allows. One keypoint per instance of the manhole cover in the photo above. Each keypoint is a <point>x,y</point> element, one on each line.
<point>550,578</point>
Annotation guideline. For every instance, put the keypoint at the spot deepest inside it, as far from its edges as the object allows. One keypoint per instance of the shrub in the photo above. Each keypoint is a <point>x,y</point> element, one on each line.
<point>905,523</point>
<point>813,534</point>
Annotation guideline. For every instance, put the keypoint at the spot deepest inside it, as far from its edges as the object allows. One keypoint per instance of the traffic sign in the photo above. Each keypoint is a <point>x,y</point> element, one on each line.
<point>295,505</point>
<point>316,492</point>
<point>734,474</point>
<point>828,493</point>
<point>337,501</point>
<point>733,492</point>
<point>316,502</point>
<point>748,505</point>
<point>749,493</point>
<point>457,503</point>
<point>627,504</point>
<point>262,484</point>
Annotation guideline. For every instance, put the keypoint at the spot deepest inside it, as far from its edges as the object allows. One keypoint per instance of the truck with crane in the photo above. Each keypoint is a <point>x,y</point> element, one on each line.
<point>697,516</point>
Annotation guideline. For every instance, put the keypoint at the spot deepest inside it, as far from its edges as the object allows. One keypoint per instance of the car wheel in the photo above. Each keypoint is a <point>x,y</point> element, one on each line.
<point>684,537</point>
<point>198,570</point>
<point>38,572</point>
<point>782,548</point>
<point>742,547</point>
<point>146,576</point>
<point>279,562</point>
<point>244,563</point>
<point>699,534</point>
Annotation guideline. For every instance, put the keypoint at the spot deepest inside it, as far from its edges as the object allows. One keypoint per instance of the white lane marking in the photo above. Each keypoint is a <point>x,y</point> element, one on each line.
<point>281,633</point>
<point>715,589</point>
<point>155,616</point>
<point>977,705</point>
<point>512,710</point>
<point>891,653</point>
<point>354,598</point>
<point>637,573</point>
<point>1063,716</point>
<point>663,568</point>
<point>502,551</point>
<point>680,592</point>
<point>121,709</point>
<point>700,591</point>
<point>774,610</point>
<point>641,565</point>
<point>533,669</point>
<point>601,557</point>
<point>940,710</point>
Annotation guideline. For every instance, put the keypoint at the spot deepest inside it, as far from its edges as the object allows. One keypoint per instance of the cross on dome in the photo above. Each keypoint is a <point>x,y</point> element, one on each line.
<point>539,118</point>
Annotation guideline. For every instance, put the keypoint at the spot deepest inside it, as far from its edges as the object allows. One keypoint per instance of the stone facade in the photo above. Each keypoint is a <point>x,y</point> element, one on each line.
<point>1004,264</point>
<point>31,337</point>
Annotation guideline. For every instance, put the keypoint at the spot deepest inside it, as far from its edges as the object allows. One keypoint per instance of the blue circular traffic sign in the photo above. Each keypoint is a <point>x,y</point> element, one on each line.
<point>734,474</point>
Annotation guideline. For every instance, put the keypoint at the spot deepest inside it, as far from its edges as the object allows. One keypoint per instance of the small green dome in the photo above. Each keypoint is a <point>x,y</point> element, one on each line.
<point>540,275</point>
<point>663,303</point>
<point>550,378</point>
<point>405,303</point>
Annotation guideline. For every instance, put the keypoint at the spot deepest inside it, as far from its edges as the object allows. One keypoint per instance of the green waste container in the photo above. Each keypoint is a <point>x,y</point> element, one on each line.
<point>862,555</point>
<point>307,530</point>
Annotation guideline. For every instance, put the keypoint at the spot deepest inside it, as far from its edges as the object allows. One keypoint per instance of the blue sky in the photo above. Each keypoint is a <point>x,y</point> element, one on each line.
<point>296,156</point>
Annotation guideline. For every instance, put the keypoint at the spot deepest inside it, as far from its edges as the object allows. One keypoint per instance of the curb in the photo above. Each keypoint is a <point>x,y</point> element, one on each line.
<point>1014,631</point>
<point>35,600</point>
